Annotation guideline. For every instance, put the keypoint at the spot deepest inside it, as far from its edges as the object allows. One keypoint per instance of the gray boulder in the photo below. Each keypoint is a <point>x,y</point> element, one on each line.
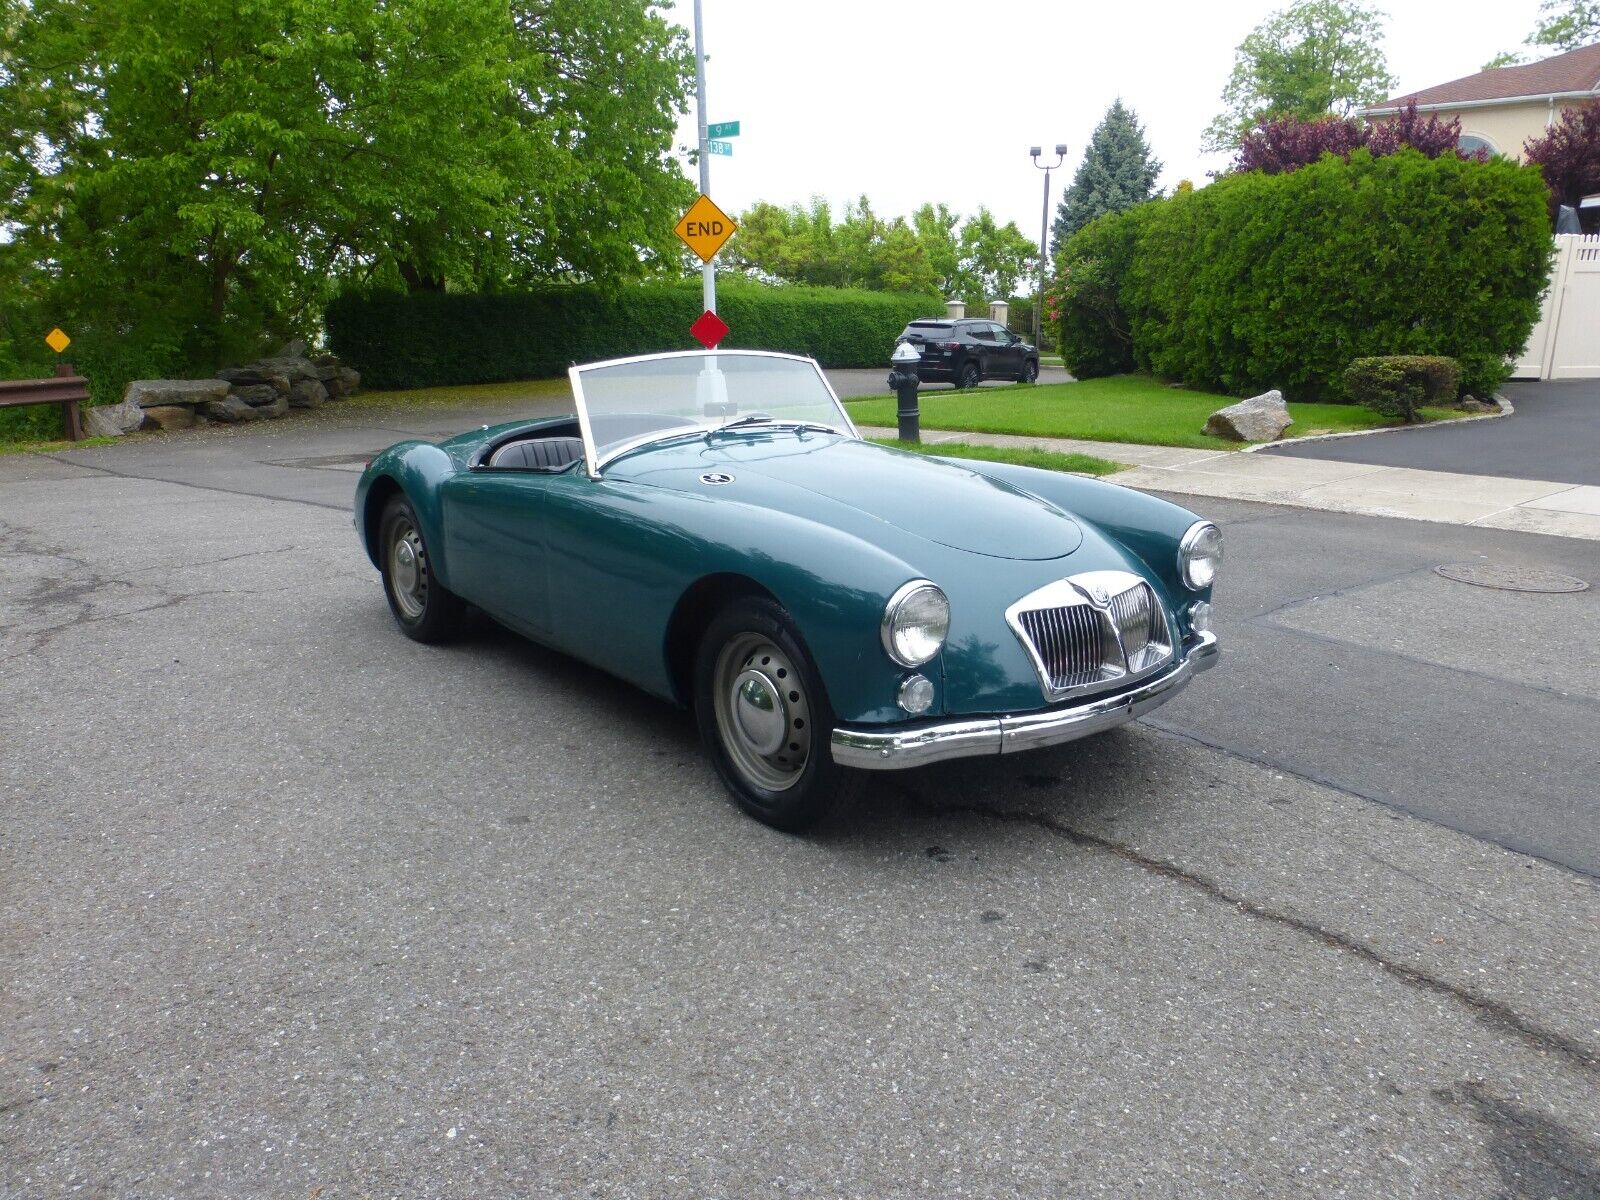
<point>169,417</point>
<point>307,393</point>
<point>1261,418</point>
<point>278,407</point>
<point>257,394</point>
<point>342,383</point>
<point>112,420</point>
<point>292,369</point>
<point>294,348</point>
<point>230,410</point>
<point>157,393</point>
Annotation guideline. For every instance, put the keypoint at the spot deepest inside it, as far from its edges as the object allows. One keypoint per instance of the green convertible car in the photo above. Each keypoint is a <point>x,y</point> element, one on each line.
<point>711,527</point>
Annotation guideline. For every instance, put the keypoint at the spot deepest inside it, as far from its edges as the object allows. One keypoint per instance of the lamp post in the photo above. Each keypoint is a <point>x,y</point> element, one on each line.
<point>1044,231</point>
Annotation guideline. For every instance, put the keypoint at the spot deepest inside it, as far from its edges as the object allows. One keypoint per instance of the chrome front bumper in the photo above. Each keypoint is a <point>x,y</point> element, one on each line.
<point>896,747</point>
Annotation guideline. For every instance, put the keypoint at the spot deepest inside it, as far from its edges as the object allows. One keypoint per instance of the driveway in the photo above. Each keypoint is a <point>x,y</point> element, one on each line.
<point>292,906</point>
<point>869,381</point>
<point>1554,435</point>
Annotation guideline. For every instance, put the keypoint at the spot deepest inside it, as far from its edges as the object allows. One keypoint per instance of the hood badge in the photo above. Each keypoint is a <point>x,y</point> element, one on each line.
<point>714,477</point>
<point>1099,595</point>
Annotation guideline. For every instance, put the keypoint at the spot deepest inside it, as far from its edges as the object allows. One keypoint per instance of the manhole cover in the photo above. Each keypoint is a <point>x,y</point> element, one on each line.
<point>1509,578</point>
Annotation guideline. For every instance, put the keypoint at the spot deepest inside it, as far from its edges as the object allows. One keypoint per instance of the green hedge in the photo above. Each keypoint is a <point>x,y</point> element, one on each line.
<point>433,339</point>
<point>1260,281</point>
<point>1096,334</point>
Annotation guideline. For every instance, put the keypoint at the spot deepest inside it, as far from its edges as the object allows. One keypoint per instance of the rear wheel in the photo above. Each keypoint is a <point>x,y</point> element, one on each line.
<point>422,607</point>
<point>765,718</point>
<point>971,376</point>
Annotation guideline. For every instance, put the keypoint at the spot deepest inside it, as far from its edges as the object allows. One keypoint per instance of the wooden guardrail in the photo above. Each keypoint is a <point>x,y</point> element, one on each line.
<point>66,388</point>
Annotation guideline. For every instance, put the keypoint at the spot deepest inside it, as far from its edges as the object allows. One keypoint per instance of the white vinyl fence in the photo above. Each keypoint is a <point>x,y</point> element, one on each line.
<point>1566,341</point>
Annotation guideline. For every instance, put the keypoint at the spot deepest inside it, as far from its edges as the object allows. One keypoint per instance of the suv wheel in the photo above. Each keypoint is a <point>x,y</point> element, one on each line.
<point>971,376</point>
<point>1030,371</point>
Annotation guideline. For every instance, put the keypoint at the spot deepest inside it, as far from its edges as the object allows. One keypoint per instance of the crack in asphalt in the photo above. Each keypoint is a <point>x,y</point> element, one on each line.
<point>78,587</point>
<point>199,487</point>
<point>1494,1013</point>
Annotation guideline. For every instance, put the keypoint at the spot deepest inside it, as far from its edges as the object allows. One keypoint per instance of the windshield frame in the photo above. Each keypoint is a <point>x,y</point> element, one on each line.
<point>594,464</point>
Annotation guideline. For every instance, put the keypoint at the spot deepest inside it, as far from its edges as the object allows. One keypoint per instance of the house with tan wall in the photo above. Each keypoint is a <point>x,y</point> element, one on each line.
<point>1501,109</point>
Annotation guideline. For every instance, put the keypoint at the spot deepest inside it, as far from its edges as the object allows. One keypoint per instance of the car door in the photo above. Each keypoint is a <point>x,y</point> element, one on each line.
<point>1008,351</point>
<point>980,345</point>
<point>494,522</point>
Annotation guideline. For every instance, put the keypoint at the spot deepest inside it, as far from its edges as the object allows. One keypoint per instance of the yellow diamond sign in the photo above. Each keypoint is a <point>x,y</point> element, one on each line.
<point>57,340</point>
<point>704,228</point>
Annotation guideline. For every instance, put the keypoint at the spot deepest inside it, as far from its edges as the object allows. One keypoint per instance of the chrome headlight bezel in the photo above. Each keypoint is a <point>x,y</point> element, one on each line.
<point>893,630</point>
<point>1192,553</point>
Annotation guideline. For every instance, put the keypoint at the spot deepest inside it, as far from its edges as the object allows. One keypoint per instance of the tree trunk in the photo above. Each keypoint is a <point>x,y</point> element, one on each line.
<point>416,281</point>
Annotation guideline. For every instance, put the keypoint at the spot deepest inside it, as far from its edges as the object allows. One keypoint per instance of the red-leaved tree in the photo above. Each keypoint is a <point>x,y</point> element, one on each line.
<point>1569,155</point>
<point>1284,143</point>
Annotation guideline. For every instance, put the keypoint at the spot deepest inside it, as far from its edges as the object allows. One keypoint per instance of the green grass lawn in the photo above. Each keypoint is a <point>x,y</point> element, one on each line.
<point>466,393</point>
<point>25,446</point>
<point>1031,456</point>
<point>1122,408</point>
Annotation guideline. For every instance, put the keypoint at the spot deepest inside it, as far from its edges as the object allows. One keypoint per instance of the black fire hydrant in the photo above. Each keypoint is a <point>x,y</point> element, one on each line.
<point>904,380</point>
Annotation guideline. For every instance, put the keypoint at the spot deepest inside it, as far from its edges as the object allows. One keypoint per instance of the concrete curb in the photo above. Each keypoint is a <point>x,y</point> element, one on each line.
<point>1505,406</point>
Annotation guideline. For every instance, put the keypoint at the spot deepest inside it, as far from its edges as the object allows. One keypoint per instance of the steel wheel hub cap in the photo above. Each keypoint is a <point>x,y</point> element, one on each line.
<point>763,716</point>
<point>408,572</point>
<point>759,709</point>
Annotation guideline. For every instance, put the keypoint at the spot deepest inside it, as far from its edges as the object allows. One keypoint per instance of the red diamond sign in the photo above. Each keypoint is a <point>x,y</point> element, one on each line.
<point>709,329</point>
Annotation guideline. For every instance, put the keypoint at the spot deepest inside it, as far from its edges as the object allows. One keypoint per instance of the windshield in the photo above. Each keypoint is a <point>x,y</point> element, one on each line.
<point>634,400</point>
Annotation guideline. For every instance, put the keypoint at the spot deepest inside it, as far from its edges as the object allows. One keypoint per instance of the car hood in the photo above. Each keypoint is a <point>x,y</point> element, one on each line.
<point>857,485</point>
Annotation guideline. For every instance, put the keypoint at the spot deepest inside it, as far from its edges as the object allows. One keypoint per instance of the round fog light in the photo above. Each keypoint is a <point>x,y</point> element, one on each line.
<point>1200,616</point>
<point>916,694</point>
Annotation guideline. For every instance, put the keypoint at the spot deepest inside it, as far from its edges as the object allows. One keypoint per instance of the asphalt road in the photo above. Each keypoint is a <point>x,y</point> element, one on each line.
<point>1553,435</point>
<point>291,906</point>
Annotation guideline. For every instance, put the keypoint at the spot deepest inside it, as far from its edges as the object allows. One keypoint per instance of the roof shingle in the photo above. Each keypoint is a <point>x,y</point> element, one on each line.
<point>1575,71</point>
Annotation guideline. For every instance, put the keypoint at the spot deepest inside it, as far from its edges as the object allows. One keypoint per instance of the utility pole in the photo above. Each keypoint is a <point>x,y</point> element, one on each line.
<point>708,273</point>
<point>1044,225</point>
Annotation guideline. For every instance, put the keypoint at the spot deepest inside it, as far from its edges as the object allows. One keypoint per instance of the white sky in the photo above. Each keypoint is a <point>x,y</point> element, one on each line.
<point>938,100</point>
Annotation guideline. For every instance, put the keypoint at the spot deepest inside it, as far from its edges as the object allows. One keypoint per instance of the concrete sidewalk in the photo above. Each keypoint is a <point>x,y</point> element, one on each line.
<point>1529,505</point>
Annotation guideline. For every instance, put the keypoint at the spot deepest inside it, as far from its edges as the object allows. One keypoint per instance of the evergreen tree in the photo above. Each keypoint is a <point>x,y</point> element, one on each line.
<point>1117,172</point>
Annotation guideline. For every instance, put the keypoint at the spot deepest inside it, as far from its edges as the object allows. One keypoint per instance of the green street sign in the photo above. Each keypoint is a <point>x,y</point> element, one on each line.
<point>720,147</point>
<point>725,130</point>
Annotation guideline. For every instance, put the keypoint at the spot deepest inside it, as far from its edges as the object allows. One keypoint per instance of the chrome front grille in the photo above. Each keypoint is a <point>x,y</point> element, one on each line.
<point>1069,641</point>
<point>1092,631</point>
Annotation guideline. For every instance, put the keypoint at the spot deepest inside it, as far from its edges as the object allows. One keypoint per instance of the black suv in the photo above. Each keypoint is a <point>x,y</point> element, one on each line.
<point>968,350</point>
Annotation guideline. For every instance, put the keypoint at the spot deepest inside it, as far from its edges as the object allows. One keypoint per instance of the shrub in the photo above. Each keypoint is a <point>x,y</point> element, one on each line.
<point>1279,144</point>
<point>1096,336</point>
<point>1262,281</point>
<point>432,339</point>
<point>1396,385</point>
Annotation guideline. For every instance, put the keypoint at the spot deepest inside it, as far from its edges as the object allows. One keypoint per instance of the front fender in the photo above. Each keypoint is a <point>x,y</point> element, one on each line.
<point>418,469</point>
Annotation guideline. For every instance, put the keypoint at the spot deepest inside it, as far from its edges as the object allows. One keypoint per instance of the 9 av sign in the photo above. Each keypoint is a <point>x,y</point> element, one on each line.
<point>705,228</point>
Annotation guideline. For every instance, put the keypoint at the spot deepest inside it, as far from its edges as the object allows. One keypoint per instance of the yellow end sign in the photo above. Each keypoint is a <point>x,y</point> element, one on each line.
<point>57,340</point>
<point>704,228</point>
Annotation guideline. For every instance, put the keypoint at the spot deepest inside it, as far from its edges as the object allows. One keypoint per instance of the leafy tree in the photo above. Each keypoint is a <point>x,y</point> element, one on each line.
<point>1567,24</point>
<point>933,252</point>
<point>1117,172</point>
<point>996,256</point>
<point>1312,58</point>
<point>184,175</point>
<point>1568,155</point>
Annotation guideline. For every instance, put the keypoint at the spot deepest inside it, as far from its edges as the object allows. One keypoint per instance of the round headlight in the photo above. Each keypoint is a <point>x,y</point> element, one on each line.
<point>915,623</point>
<point>1200,554</point>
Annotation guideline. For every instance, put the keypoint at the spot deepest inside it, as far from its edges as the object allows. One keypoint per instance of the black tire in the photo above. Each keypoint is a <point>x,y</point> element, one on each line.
<point>422,607</point>
<point>1030,372</point>
<point>971,376</point>
<point>752,659</point>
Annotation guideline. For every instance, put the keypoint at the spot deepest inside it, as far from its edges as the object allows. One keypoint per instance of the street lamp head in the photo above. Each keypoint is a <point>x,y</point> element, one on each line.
<point>1034,151</point>
<point>1061,149</point>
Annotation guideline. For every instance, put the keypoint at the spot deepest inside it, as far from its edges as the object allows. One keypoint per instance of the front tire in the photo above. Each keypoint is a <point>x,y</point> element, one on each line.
<point>1030,372</point>
<point>422,607</point>
<point>764,716</point>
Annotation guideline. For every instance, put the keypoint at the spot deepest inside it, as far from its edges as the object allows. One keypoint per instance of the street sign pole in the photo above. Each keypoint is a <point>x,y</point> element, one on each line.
<point>708,273</point>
